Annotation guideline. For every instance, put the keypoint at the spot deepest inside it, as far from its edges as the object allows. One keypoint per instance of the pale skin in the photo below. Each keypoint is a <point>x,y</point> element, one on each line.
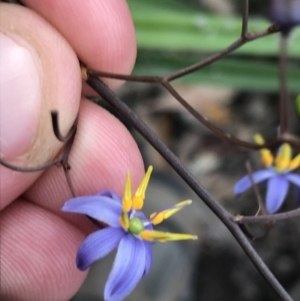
<point>38,241</point>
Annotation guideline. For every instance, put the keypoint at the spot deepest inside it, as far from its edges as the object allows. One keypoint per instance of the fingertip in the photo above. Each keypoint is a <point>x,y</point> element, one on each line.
<point>38,251</point>
<point>27,124</point>
<point>102,154</point>
<point>101,32</point>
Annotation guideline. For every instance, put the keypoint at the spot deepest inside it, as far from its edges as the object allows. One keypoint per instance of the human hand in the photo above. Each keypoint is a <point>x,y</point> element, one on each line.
<point>40,72</point>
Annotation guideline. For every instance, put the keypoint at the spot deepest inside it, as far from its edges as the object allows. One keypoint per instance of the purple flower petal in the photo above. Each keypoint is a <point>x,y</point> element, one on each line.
<point>285,13</point>
<point>97,245</point>
<point>258,176</point>
<point>148,258</point>
<point>276,192</point>
<point>98,207</point>
<point>128,269</point>
<point>294,178</point>
<point>110,194</point>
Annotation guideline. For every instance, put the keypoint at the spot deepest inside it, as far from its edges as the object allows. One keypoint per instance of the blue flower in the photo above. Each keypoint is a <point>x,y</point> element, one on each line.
<point>278,175</point>
<point>128,230</point>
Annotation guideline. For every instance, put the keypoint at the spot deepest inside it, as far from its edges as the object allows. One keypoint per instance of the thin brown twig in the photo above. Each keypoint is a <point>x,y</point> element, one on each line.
<point>215,57</point>
<point>56,161</point>
<point>216,130</point>
<point>204,120</point>
<point>69,139</point>
<point>56,129</point>
<point>127,77</point>
<point>261,206</point>
<point>241,219</point>
<point>249,234</point>
<point>284,95</point>
<point>245,19</point>
<point>61,159</point>
<point>211,59</point>
<point>164,81</point>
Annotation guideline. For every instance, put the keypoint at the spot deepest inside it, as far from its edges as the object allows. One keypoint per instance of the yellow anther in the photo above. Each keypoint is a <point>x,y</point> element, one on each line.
<point>295,163</point>
<point>127,201</point>
<point>124,220</point>
<point>266,155</point>
<point>158,217</point>
<point>165,236</point>
<point>138,200</point>
<point>258,138</point>
<point>283,158</point>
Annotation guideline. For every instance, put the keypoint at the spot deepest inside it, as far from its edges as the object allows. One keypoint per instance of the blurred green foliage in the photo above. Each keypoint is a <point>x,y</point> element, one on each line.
<point>173,34</point>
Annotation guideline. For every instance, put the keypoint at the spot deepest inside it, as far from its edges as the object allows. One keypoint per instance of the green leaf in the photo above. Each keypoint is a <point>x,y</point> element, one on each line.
<point>172,26</point>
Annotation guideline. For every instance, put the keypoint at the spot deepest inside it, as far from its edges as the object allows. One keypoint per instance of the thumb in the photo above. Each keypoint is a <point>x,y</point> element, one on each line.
<point>39,72</point>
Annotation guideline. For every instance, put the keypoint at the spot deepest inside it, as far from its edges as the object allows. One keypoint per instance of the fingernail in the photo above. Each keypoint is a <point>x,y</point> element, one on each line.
<point>20,96</point>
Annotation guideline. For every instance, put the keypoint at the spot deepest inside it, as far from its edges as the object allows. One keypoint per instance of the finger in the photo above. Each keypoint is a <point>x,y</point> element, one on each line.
<point>101,32</point>
<point>40,73</point>
<point>102,154</point>
<point>38,251</point>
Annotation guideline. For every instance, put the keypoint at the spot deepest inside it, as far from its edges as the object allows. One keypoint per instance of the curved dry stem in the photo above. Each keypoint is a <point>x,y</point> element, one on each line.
<point>131,78</point>
<point>185,71</point>
<point>62,158</point>
<point>69,138</point>
<point>245,19</point>
<point>241,219</point>
<point>164,81</point>
<point>216,130</point>
<point>253,237</point>
<point>31,169</point>
<point>284,94</point>
<point>56,128</point>
<point>261,205</point>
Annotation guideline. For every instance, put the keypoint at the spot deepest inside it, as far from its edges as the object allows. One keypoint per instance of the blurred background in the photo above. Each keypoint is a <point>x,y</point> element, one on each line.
<point>240,94</point>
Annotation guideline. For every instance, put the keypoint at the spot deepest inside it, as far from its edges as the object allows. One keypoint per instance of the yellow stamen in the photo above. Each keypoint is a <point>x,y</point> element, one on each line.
<point>266,155</point>
<point>295,163</point>
<point>283,159</point>
<point>137,202</point>
<point>138,199</point>
<point>259,139</point>
<point>158,217</point>
<point>127,201</point>
<point>165,236</point>
<point>124,220</point>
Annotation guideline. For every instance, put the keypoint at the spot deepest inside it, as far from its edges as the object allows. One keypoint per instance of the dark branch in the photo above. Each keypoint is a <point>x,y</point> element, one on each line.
<point>261,206</point>
<point>284,95</point>
<point>31,169</point>
<point>56,128</point>
<point>164,81</point>
<point>245,19</point>
<point>240,219</point>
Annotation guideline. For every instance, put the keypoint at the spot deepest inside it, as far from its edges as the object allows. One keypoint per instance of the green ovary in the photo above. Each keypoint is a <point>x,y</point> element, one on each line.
<point>136,226</point>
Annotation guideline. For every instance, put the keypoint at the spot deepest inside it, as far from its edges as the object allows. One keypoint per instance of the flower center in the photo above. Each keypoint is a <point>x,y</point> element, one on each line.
<point>136,226</point>
<point>280,171</point>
